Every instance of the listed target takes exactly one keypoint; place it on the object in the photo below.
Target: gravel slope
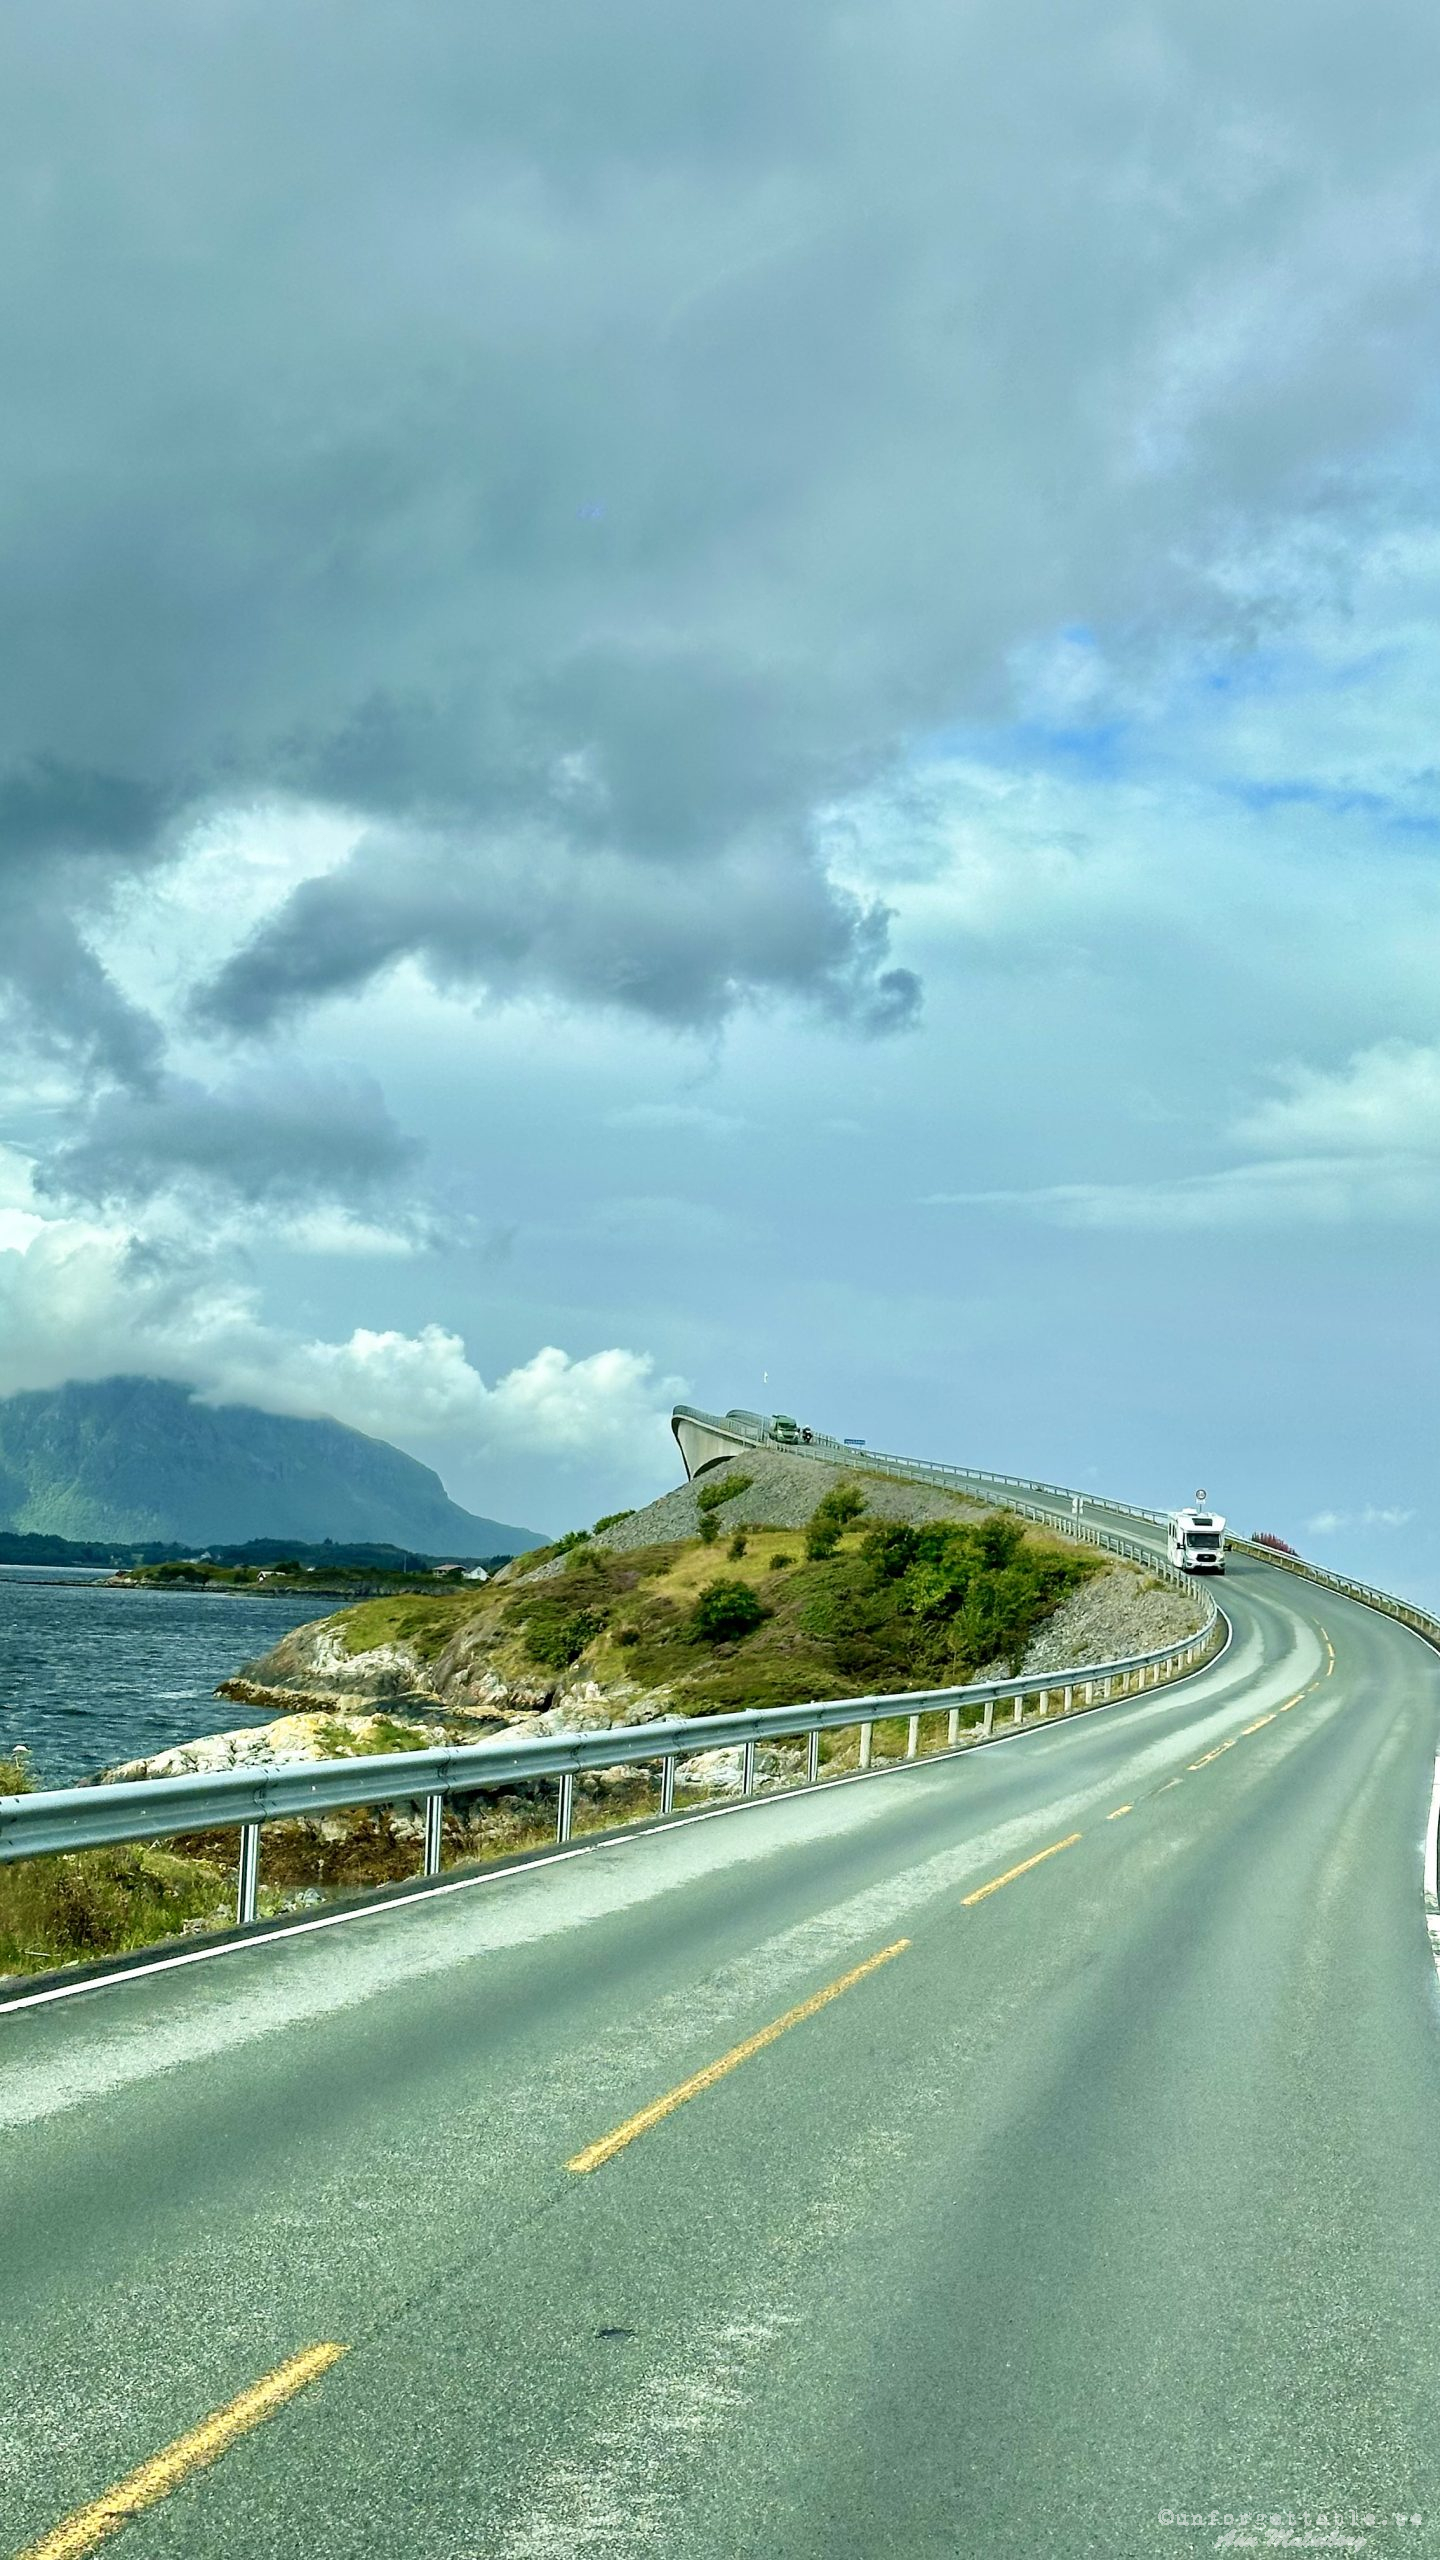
(782, 1493)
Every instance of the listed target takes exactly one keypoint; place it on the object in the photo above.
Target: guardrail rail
(62, 1820)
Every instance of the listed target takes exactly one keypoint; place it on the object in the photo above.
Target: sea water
(91, 1674)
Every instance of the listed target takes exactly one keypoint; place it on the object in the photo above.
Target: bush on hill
(722, 1489)
(830, 1519)
(726, 1610)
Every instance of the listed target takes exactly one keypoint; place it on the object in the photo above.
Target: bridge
(1026, 2149)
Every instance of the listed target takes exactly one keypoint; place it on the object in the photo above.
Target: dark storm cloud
(66, 835)
(290, 1144)
(583, 442)
(681, 942)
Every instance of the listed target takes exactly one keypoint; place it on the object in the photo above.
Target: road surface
(1106, 2203)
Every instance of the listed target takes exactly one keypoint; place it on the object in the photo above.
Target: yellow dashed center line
(605, 2149)
(92, 2525)
(1284, 1710)
(1170, 1782)
(1022, 1870)
(1119, 1809)
(1227, 1745)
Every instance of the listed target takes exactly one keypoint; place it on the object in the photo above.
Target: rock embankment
(1120, 1612)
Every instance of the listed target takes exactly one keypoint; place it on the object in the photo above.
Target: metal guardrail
(1420, 1620)
(71, 1818)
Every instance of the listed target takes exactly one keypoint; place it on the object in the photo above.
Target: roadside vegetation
(868, 1607)
(847, 1605)
(100, 1902)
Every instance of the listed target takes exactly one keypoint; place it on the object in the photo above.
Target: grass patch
(343, 1742)
(423, 1623)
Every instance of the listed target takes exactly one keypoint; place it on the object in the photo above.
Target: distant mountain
(141, 1458)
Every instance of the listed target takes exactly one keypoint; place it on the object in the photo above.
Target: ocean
(90, 1675)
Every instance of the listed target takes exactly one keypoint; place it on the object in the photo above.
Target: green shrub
(558, 1636)
(737, 1545)
(723, 1489)
(709, 1528)
(725, 1611)
(779, 1562)
(831, 1516)
(627, 1635)
(889, 1549)
(15, 1777)
(611, 1520)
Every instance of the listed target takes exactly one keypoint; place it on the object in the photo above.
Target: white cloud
(1298, 1192)
(1362, 1141)
(1374, 1516)
(84, 1300)
(1385, 1101)
(422, 1388)
(693, 1118)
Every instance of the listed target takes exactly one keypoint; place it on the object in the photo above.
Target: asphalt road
(1109, 2200)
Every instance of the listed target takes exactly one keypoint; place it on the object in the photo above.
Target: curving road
(1104, 2208)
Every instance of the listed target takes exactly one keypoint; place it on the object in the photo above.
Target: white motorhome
(1196, 1541)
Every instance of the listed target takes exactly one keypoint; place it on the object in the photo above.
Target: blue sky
(762, 701)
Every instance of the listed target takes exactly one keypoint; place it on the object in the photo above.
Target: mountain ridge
(144, 1459)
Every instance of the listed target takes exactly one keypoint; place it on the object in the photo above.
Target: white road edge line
(1432, 1846)
(557, 1857)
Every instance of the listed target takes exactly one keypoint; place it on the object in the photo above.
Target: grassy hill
(753, 1616)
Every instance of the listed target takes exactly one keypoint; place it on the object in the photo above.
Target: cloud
(691, 1118)
(422, 1388)
(85, 1301)
(68, 836)
(295, 1140)
(1391, 1516)
(678, 941)
(581, 457)
(1366, 1141)
(1302, 1191)
(1383, 1103)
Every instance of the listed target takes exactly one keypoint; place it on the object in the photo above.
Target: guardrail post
(912, 1738)
(867, 1744)
(1089, 1693)
(988, 1726)
(667, 1783)
(747, 1770)
(434, 1807)
(565, 1810)
(812, 1757)
(952, 1730)
(247, 1885)
(1019, 1715)
(1044, 1702)
(1068, 1704)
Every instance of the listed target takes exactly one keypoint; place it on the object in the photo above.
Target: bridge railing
(755, 1433)
(1405, 1610)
